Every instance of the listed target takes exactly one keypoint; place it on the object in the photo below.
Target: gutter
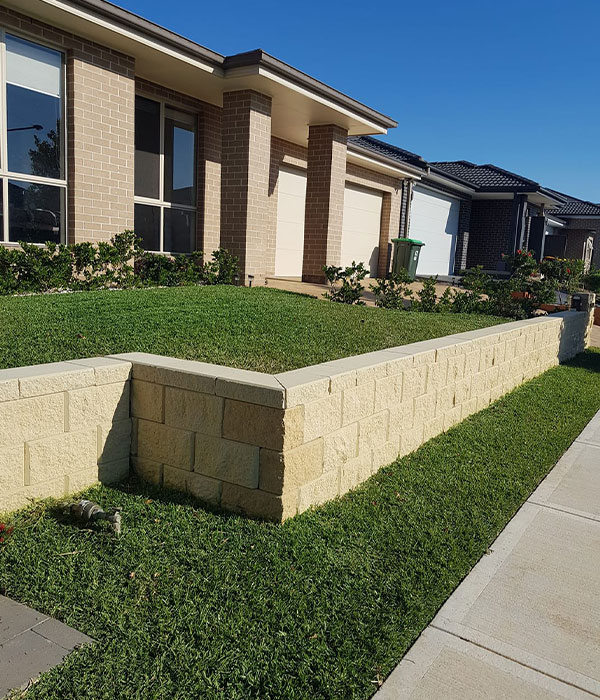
(401, 166)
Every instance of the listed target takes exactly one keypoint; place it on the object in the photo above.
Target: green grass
(188, 603)
(261, 329)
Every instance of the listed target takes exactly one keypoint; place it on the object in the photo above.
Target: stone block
(385, 453)
(425, 408)
(11, 470)
(165, 444)
(114, 441)
(54, 488)
(510, 349)
(414, 382)
(399, 364)
(319, 491)
(322, 417)
(147, 400)
(113, 472)
(201, 487)
(97, 404)
(483, 400)
(445, 400)
(340, 446)
(190, 410)
(227, 460)
(456, 368)
(52, 378)
(373, 431)
(388, 392)
(59, 455)
(437, 375)
(499, 352)
(264, 426)
(290, 470)
(411, 440)
(452, 417)
(134, 436)
(472, 361)
(491, 377)
(402, 417)
(9, 389)
(28, 419)
(462, 391)
(147, 470)
(433, 427)
(358, 402)
(349, 476)
(258, 504)
(486, 358)
(469, 408)
(106, 369)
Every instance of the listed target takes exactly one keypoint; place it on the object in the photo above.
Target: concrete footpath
(31, 643)
(525, 623)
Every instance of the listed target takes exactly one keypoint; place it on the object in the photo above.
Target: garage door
(360, 229)
(434, 220)
(291, 196)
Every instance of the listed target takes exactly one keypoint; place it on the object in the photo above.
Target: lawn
(189, 603)
(261, 329)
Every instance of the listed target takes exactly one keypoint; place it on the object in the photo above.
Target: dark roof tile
(388, 150)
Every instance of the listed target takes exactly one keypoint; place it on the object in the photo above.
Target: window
(165, 177)
(32, 158)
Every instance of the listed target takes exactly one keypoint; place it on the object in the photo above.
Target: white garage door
(291, 196)
(434, 220)
(361, 226)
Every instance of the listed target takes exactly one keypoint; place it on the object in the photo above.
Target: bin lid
(407, 240)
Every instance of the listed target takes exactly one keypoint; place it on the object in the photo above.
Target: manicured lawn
(193, 604)
(261, 329)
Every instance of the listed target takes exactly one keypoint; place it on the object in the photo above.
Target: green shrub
(390, 293)
(591, 281)
(351, 289)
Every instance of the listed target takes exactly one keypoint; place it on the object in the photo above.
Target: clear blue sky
(514, 83)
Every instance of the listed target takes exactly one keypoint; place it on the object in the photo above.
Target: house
(112, 122)
(580, 235)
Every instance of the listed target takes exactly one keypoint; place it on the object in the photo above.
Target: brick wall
(324, 199)
(100, 130)
(63, 427)
(489, 233)
(247, 224)
(577, 231)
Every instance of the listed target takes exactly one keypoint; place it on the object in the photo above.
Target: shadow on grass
(588, 360)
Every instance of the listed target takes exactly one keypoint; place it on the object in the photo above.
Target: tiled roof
(484, 176)
(386, 149)
(577, 207)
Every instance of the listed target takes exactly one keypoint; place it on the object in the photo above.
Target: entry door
(361, 227)
(434, 220)
(291, 198)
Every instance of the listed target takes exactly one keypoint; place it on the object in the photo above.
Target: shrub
(591, 281)
(350, 291)
(390, 293)
(426, 296)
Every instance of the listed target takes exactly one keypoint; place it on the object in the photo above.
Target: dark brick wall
(462, 239)
(489, 232)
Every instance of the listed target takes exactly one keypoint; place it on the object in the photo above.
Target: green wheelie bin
(406, 255)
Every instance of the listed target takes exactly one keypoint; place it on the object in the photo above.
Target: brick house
(580, 237)
(111, 122)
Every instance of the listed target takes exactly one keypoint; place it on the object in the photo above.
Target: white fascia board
(557, 223)
(133, 35)
(374, 164)
(371, 127)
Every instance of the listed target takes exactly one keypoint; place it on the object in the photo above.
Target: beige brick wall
(247, 224)
(63, 427)
(325, 182)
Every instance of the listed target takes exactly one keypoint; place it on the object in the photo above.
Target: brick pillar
(326, 175)
(100, 142)
(391, 207)
(462, 238)
(246, 219)
(209, 180)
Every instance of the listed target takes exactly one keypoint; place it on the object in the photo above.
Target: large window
(32, 158)
(165, 177)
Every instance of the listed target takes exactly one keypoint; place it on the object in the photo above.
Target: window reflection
(34, 212)
(180, 227)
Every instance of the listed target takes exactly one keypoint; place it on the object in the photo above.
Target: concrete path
(31, 643)
(525, 623)
(595, 339)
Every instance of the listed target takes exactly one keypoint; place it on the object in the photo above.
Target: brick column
(391, 207)
(246, 219)
(100, 142)
(326, 175)
(209, 180)
(462, 238)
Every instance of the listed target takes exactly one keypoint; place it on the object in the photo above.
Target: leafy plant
(426, 296)
(390, 293)
(350, 291)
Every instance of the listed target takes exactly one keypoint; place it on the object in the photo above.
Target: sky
(513, 83)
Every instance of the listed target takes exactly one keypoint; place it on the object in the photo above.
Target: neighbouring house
(580, 235)
(112, 122)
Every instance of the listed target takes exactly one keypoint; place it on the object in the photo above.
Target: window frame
(5, 173)
(161, 203)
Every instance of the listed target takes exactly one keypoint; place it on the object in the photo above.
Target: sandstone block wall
(63, 427)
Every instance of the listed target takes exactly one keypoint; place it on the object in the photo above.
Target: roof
(387, 150)
(575, 207)
(486, 177)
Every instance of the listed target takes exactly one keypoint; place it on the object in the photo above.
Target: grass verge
(261, 329)
(193, 604)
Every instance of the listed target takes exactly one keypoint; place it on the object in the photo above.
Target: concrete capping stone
(37, 380)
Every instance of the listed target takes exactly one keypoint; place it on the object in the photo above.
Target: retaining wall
(265, 445)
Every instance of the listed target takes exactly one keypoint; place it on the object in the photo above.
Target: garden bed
(260, 329)
(191, 603)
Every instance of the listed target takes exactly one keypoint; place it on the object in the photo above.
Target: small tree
(350, 291)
